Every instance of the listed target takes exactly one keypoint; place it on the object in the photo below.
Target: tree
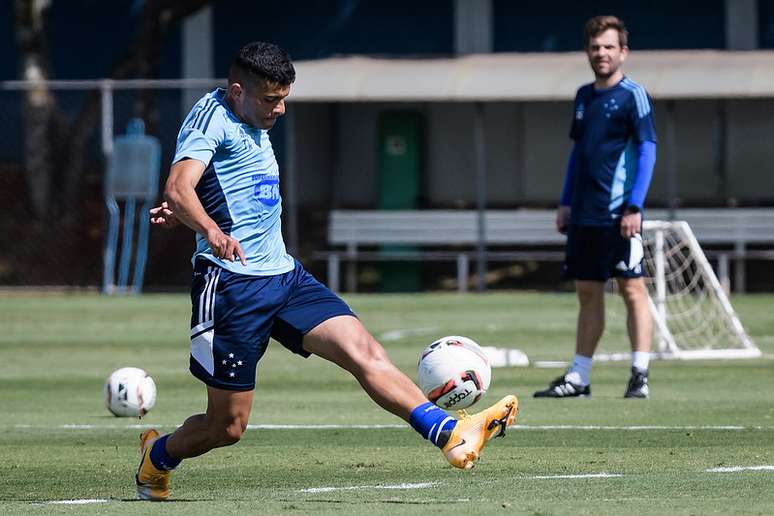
(39, 104)
(49, 164)
(55, 231)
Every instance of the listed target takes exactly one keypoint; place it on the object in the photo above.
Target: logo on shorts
(636, 254)
(231, 365)
(267, 189)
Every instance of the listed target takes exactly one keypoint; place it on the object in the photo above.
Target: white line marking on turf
(637, 427)
(549, 364)
(398, 426)
(736, 469)
(74, 502)
(405, 332)
(587, 475)
(322, 427)
(422, 485)
(250, 427)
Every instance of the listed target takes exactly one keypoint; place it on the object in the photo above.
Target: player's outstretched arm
(180, 193)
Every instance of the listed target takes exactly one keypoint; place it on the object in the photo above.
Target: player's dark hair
(599, 24)
(264, 61)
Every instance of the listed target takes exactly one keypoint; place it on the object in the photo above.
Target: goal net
(693, 318)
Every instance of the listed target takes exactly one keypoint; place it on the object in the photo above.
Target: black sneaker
(638, 384)
(564, 388)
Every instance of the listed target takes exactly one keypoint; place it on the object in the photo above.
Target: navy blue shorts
(233, 316)
(598, 253)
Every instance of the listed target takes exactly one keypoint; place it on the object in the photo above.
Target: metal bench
(451, 235)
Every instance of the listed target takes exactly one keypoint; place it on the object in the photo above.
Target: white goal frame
(667, 343)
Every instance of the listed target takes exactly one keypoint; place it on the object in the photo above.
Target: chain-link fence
(56, 140)
(56, 145)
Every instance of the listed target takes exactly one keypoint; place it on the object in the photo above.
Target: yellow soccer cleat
(152, 483)
(471, 433)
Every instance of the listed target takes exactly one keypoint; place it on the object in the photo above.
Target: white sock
(582, 366)
(640, 360)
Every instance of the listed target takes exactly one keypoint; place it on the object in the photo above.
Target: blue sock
(432, 423)
(159, 456)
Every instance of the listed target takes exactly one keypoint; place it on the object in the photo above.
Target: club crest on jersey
(267, 189)
(579, 112)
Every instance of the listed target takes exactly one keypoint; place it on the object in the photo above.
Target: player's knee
(369, 354)
(226, 433)
(634, 291)
(232, 433)
(589, 295)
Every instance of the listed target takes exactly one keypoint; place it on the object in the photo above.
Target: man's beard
(607, 75)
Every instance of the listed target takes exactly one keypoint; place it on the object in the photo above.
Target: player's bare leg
(344, 341)
(591, 316)
(639, 323)
(575, 383)
(222, 425)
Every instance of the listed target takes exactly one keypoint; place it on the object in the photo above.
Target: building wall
(315, 159)
(750, 149)
(527, 147)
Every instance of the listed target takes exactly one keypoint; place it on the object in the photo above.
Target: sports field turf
(59, 443)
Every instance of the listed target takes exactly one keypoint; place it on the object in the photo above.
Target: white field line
(737, 469)
(402, 333)
(426, 485)
(398, 426)
(322, 427)
(587, 475)
(422, 485)
(638, 427)
(561, 364)
(73, 502)
(550, 364)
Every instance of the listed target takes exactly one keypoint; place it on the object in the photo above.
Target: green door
(400, 182)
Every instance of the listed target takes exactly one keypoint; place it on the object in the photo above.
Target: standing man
(224, 184)
(608, 175)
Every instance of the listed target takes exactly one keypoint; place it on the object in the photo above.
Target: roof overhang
(673, 74)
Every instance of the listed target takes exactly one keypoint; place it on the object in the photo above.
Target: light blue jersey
(240, 186)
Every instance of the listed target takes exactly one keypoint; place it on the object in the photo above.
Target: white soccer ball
(454, 372)
(130, 391)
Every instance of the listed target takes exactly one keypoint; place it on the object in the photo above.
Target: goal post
(693, 317)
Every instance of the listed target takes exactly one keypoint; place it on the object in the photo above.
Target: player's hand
(163, 216)
(562, 219)
(225, 247)
(630, 224)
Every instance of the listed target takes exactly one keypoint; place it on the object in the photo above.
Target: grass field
(59, 443)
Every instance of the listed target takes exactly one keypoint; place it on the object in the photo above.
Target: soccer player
(224, 184)
(609, 171)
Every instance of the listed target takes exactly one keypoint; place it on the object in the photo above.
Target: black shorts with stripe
(598, 253)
